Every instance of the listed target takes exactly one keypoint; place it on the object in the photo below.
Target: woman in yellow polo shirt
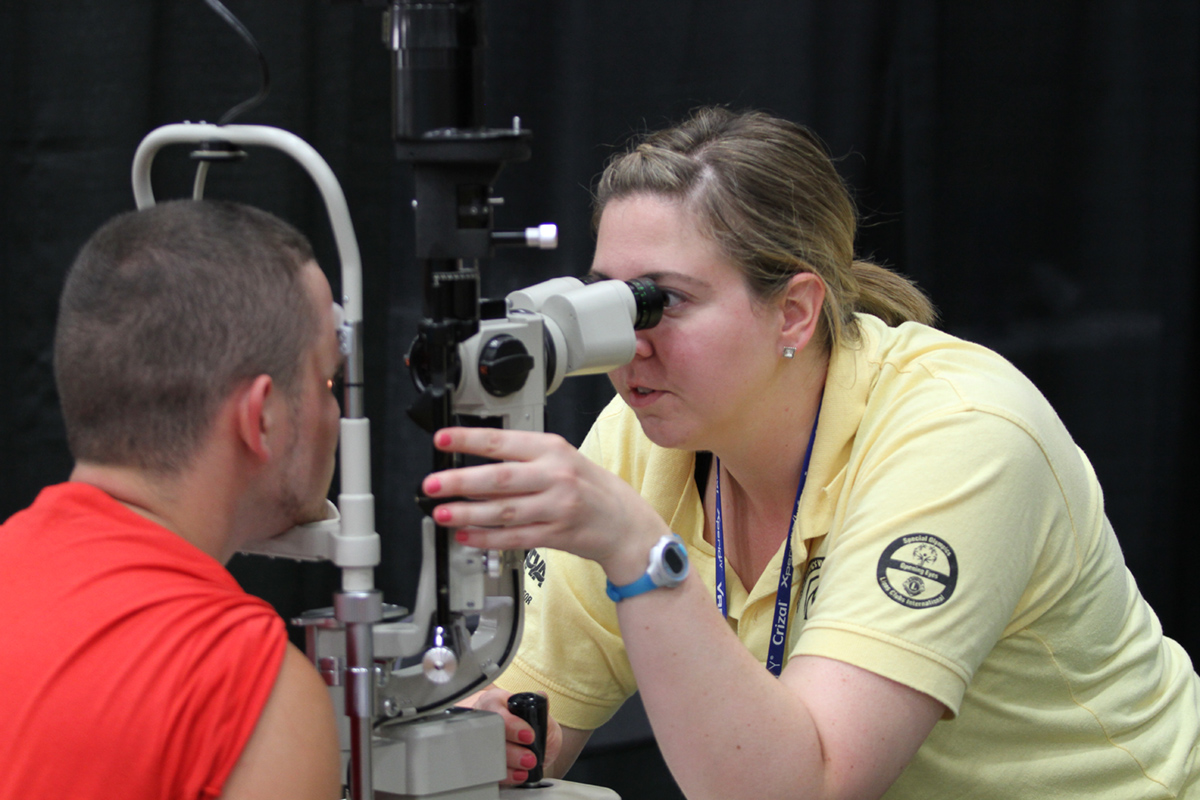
(839, 553)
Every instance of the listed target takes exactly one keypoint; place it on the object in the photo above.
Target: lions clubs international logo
(918, 571)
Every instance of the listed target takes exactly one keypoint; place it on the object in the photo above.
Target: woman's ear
(255, 415)
(801, 305)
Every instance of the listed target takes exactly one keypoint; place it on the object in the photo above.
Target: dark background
(1032, 165)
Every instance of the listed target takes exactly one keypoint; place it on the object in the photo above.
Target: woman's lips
(642, 396)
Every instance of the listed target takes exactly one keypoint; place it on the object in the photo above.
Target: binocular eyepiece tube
(648, 300)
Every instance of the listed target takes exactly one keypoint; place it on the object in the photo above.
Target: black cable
(265, 86)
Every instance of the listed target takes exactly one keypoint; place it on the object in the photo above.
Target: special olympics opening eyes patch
(918, 571)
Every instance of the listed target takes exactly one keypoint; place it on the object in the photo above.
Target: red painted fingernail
(432, 486)
(461, 537)
(519, 776)
(525, 737)
(529, 761)
(442, 439)
(441, 514)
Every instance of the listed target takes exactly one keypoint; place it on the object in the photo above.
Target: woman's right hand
(542, 492)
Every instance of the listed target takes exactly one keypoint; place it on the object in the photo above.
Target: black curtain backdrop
(1033, 165)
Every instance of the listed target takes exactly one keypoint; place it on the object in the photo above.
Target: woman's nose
(643, 348)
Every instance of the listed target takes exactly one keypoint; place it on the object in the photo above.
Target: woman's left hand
(542, 493)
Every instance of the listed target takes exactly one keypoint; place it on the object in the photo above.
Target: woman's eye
(671, 298)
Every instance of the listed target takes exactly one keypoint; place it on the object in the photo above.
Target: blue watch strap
(640, 586)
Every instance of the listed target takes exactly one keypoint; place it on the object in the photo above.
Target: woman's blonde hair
(765, 190)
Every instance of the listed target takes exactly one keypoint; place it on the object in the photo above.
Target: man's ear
(801, 305)
(255, 415)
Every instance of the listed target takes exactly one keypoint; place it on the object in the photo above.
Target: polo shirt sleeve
(953, 531)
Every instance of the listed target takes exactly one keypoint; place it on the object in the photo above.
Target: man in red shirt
(194, 356)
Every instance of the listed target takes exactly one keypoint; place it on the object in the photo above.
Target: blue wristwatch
(668, 567)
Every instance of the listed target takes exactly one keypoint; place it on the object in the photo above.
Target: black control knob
(534, 709)
(504, 365)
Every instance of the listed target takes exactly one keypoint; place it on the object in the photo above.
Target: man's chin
(317, 512)
(299, 512)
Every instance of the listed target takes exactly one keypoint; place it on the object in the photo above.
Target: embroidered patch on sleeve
(918, 570)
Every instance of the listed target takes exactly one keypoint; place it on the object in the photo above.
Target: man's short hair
(164, 312)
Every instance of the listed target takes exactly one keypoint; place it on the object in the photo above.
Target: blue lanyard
(783, 595)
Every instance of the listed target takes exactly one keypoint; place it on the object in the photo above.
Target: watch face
(668, 568)
(673, 559)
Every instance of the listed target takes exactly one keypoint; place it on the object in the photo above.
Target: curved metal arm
(294, 146)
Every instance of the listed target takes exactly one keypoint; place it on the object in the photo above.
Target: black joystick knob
(534, 709)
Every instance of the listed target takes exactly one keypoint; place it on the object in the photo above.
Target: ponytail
(889, 296)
